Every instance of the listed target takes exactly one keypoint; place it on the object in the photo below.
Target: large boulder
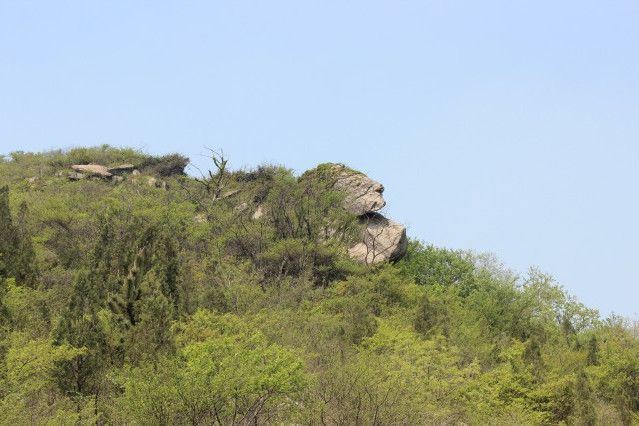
(382, 240)
(363, 194)
(92, 170)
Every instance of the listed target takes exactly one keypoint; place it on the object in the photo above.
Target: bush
(103, 154)
(429, 265)
(167, 165)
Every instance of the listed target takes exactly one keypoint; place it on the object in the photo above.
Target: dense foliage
(131, 302)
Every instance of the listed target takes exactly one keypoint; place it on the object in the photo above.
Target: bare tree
(215, 182)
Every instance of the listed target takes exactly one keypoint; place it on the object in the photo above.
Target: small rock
(135, 172)
(200, 218)
(76, 176)
(117, 179)
(152, 182)
(240, 208)
(230, 193)
(259, 212)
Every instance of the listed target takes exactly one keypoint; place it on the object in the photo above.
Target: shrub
(167, 165)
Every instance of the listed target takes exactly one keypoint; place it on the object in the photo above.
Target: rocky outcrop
(382, 239)
(103, 171)
(92, 170)
(116, 174)
(363, 194)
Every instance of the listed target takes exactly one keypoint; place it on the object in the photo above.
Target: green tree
(227, 374)
(8, 243)
(29, 390)
(618, 380)
(433, 315)
(584, 407)
(429, 265)
(25, 266)
(151, 337)
(17, 256)
(80, 327)
(8, 236)
(593, 351)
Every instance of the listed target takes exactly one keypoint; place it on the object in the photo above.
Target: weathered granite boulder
(363, 194)
(92, 170)
(382, 240)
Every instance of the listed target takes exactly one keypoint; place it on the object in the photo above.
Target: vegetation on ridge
(125, 302)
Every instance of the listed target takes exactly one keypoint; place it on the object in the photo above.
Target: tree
(29, 391)
(7, 235)
(618, 380)
(429, 265)
(432, 316)
(227, 374)
(584, 409)
(80, 327)
(17, 257)
(592, 357)
(25, 266)
(151, 337)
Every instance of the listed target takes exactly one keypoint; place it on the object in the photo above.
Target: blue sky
(509, 127)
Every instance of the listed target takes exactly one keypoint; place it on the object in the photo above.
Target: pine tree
(166, 260)
(593, 351)
(151, 336)
(584, 409)
(25, 266)
(83, 374)
(123, 304)
(17, 257)
(79, 326)
(8, 243)
(156, 255)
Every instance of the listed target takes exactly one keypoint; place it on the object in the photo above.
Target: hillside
(132, 293)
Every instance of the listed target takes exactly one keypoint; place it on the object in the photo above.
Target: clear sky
(503, 126)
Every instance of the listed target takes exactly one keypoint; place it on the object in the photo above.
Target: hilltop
(133, 293)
